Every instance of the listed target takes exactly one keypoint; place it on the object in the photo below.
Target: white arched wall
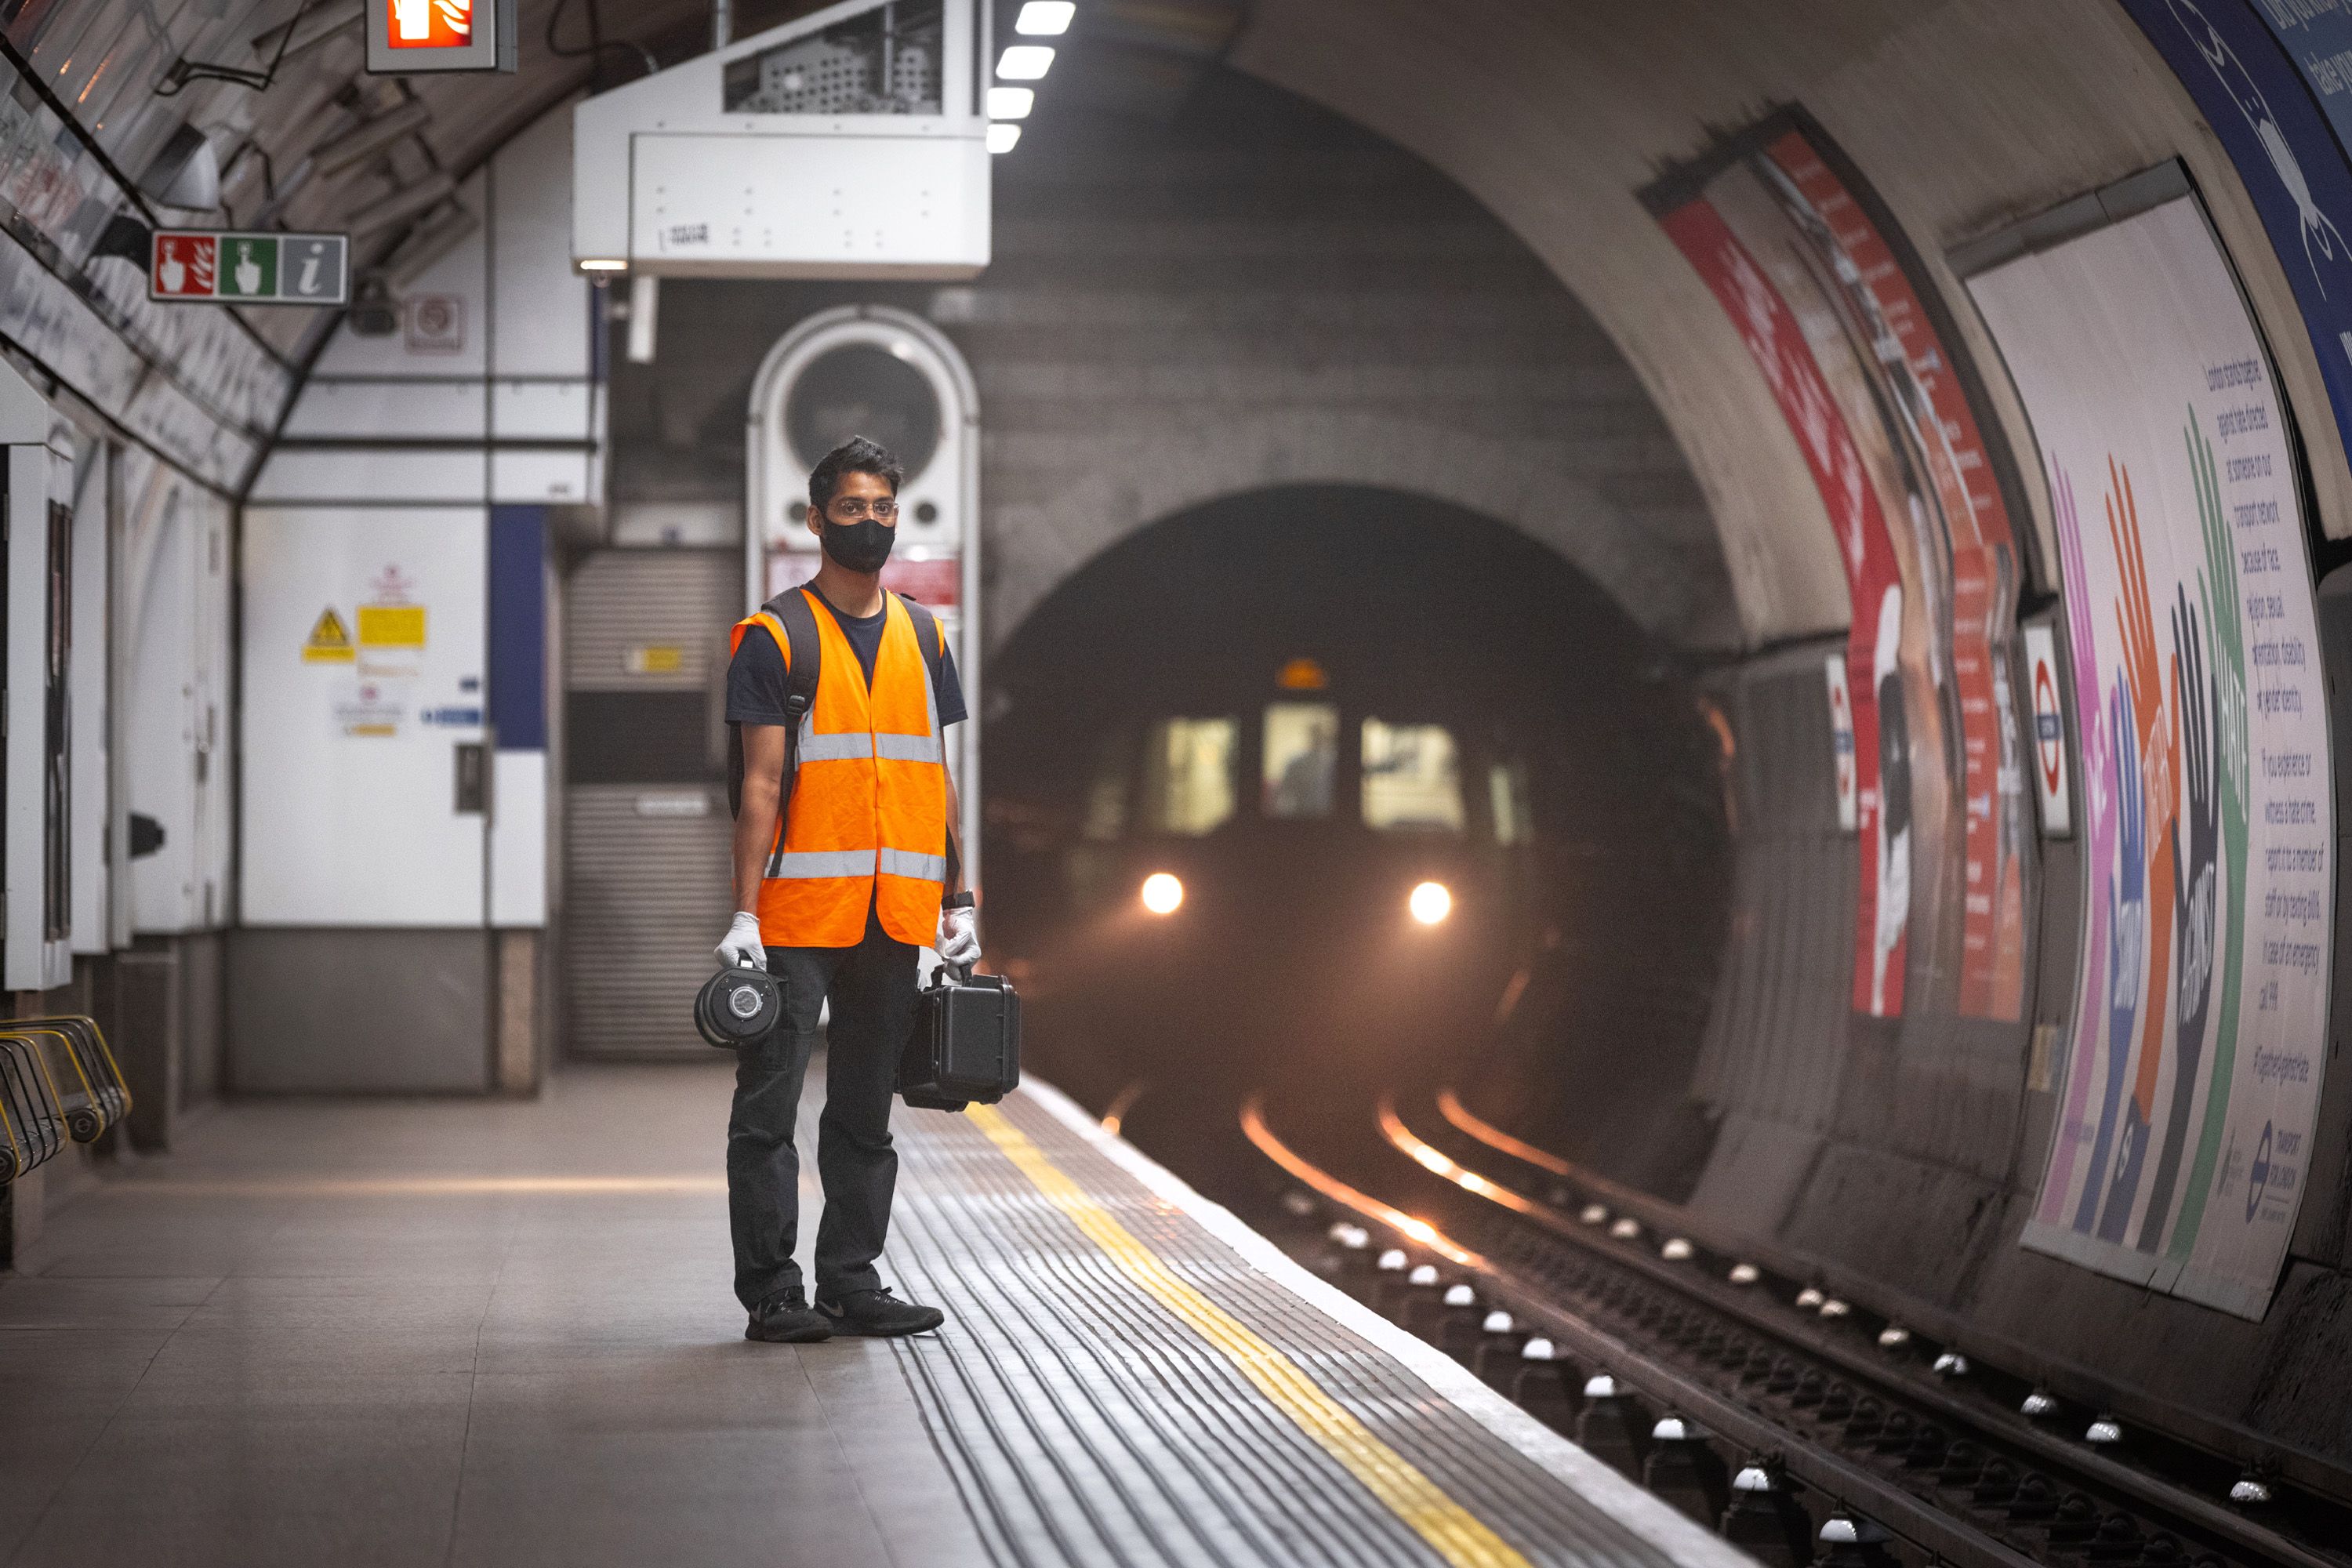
(1138, 478)
(1965, 115)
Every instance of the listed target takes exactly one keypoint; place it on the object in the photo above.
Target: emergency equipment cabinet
(36, 711)
(848, 144)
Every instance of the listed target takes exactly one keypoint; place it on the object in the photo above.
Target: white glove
(958, 939)
(743, 949)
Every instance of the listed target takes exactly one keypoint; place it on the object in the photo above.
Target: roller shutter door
(646, 827)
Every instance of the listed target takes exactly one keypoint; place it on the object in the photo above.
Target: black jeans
(872, 986)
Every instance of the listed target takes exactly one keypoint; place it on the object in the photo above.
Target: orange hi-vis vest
(867, 820)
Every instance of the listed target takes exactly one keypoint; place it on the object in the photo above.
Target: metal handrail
(94, 1097)
(97, 1058)
(28, 1103)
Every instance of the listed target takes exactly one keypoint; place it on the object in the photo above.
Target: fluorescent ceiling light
(1003, 138)
(1046, 18)
(599, 264)
(1010, 103)
(1024, 62)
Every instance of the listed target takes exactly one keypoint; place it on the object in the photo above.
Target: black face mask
(861, 546)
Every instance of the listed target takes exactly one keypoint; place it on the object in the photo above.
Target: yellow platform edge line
(1451, 1530)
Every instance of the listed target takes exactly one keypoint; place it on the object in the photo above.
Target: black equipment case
(966, 1043)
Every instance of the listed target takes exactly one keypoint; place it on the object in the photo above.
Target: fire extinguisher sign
(406, 37)
(214, 268)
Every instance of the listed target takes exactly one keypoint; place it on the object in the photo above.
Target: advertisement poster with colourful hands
(2192, 1071)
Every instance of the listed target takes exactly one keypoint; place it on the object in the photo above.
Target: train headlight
(1430, 903)
(1163, 892)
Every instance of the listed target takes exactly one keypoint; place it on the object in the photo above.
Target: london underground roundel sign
(2049, 731)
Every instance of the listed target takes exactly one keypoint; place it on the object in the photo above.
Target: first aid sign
(408, 36)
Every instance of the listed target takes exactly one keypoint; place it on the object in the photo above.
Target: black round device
(739, 1007)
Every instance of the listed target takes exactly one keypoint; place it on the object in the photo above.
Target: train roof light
(1004, 138)
(1045, 18)
(1024, 62)
(1011, 102)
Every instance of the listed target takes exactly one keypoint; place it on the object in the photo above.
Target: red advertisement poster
(1822, 292)
(1981, 585)
(1781, 351)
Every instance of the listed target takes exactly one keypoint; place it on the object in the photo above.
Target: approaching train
(1334, 824)
(1264, 879)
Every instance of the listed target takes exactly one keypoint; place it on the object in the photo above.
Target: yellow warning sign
(330, 642)
(392, 626)
(654, 658)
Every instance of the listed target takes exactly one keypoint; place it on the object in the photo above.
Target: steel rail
(2046, 1448)
(2159, 1504)
(1953, 1541)
(2068, 1378)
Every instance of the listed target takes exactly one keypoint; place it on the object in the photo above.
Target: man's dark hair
(855, 455)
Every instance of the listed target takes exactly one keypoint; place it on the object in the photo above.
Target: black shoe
(787, 1320)
(878, 1313)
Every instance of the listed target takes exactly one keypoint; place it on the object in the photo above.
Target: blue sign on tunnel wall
(2259, 95)
(2318, 38)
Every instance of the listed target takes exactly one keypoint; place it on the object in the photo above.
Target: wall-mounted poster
(2192, 1075)
(1824, 292)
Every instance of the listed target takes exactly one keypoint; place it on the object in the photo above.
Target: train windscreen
(1411, 778)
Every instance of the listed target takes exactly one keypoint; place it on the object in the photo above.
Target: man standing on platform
(847, 859)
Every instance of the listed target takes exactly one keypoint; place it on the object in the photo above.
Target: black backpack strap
(932, 640)
(805, 658)
(804, 654)
(928, 637)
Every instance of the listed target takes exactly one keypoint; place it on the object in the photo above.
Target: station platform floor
(451, 1331)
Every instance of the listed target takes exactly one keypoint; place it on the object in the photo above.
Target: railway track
(1749, 1392)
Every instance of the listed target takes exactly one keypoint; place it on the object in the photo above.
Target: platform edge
(1680, 1538)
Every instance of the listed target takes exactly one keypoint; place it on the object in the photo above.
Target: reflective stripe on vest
(867, 823)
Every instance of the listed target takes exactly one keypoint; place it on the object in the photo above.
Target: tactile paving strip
(1086, 1422)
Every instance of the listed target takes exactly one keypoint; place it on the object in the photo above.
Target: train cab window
(1302, 754)
(1507, 796)
(1188, 775)
(1411, 778)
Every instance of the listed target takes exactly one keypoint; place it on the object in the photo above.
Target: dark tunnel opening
(1303, 703)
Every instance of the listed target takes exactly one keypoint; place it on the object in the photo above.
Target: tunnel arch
(1150, 482)
(1410, 608)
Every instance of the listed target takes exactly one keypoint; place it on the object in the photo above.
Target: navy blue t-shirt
(757, 682)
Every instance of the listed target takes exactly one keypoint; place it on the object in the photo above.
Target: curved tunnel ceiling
(1966, 115)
